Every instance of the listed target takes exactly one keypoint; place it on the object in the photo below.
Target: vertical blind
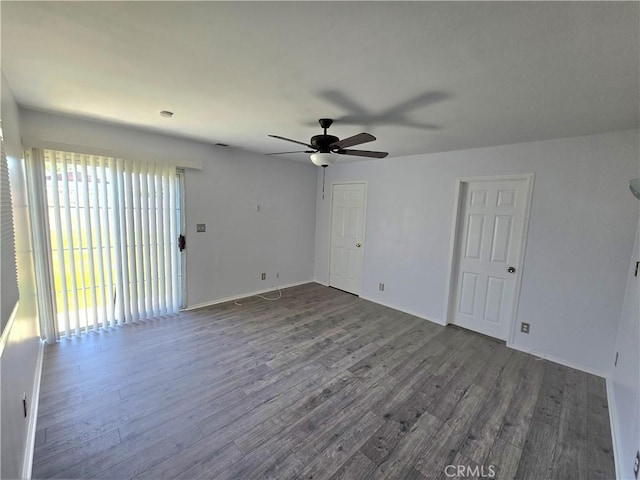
(8, 275)
(113, 239)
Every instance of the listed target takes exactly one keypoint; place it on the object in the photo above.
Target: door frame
(180, 179)
(451, 285)
(364, 225)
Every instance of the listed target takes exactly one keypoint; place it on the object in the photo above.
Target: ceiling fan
(324, 148)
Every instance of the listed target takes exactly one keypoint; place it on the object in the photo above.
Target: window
(112, 239)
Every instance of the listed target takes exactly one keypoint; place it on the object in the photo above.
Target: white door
(347, 236)
(490, 238)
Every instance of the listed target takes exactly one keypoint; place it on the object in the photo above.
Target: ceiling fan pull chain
(324, 173)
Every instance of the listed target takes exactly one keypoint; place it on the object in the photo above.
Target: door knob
(358, 245)
(511, 269)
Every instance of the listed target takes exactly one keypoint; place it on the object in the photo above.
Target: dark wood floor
(319, 384)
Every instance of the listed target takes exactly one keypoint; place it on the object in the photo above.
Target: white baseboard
(244, 295)
(613, 421)
(33, 416)
(324, 284)
(562, 361)
(400, 309)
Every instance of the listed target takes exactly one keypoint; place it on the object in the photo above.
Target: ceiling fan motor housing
(323, 142)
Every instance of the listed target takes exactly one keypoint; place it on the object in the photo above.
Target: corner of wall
(33, 416)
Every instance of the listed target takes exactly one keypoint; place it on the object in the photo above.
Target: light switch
(201, 227)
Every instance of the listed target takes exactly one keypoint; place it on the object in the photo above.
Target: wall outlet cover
(201, 227)
(524, 327)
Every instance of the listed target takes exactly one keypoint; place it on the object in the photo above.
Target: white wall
(61, 132)
(19, 359)
(625, 377)
(580, 236)
(240, 242)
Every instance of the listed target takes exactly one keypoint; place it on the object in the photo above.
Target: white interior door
(347, 236)
(490, 239)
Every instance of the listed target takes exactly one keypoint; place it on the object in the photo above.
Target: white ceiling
(421, 76)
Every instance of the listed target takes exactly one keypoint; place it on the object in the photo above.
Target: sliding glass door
(113, 229)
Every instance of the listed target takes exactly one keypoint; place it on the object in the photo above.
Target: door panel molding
(364, 183)
(456, 243)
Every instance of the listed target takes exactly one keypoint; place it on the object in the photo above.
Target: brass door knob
(358, 245)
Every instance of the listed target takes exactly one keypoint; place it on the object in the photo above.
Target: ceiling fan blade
(363, 153)
(296, 151)
(289, 140)
(355, 140)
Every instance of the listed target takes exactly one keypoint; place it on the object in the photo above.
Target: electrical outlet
(201, 227)
(24, 404)
(381, 287)
(524, 327)
(264, 276)
(636, 464)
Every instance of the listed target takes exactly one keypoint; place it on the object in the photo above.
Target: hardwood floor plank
(501, 357)
(486, 425)
(358, 467)
(381, 444)
(169, 446)
(328, 460)
(504, 458)
(186, 412)
(213, 464)
(274, 462)
(404, 457)
(212, 452)
(244, 412)
(438, 347)
(549, 405)
(409, 410)
(570, 459)
(129, 448)
(536, 461)
(48, 466)
(311, 400)
(413, 382)
(600, 463)
(446, 401)
(445, 444)
(517, 420)
(317, 384)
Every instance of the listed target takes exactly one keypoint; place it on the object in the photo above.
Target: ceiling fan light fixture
(322, 159)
